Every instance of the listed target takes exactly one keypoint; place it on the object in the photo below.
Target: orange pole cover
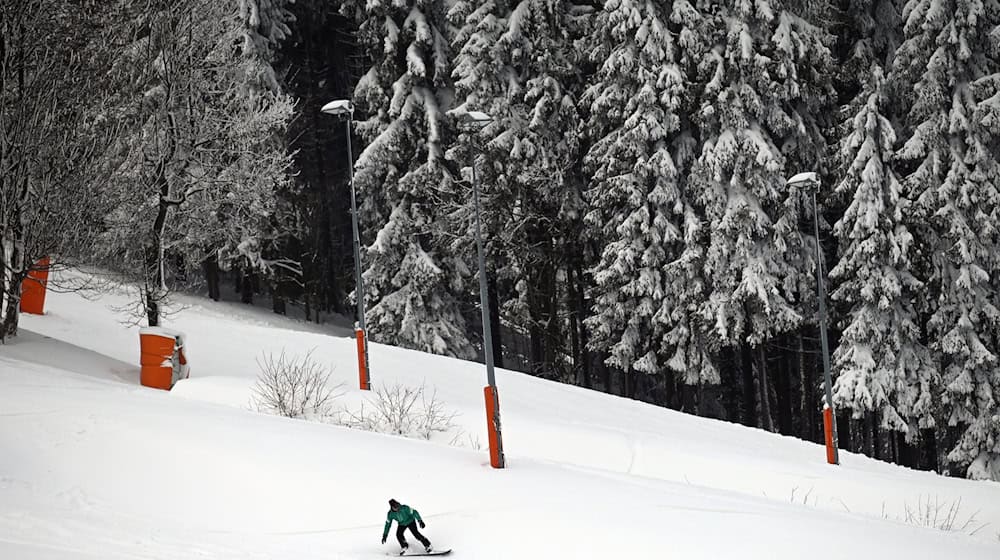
(359, 336)
(33, 288)
(828, 431)
(491, 427)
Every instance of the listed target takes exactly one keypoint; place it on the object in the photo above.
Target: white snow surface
(94, 466)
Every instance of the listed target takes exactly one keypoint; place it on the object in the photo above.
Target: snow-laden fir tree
(871, 32)
(756, 112)
(646, 280)
(265, 26)
(766, 86)
(413, 282)
(514, 62)
(881, 364)
(956, 185)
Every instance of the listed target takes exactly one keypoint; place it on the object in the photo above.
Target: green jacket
(404, 516)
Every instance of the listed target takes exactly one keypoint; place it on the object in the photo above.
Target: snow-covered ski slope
(93, 466)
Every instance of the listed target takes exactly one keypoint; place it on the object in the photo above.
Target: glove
(383, 540)
(422, 524)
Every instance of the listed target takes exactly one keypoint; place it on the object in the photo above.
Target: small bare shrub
(472, 442)
(296, 387)
(942, 515)
(401, 410)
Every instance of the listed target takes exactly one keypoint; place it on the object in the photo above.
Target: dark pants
(413, 529)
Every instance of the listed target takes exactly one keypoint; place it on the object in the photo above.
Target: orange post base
(33, 288)
(359, 336)
(155, 359)
(831, 456)
(493, 426)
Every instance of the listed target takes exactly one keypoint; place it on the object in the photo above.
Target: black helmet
(393, 504)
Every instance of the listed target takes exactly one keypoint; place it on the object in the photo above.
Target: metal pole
(822, 333)
(484, 301)
(492, 397)
(359, 282)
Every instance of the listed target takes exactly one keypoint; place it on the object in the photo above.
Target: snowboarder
(407, 518)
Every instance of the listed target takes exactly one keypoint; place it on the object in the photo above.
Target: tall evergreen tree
(955, 184)
(515, 62)
(869, 33)
(881, 364)
(412, 279)
(766, 83)
(646, 278)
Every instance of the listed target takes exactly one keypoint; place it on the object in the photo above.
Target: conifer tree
(766, 88)
(951, 149)
(413, 282)
(881, 364)
(514, 62)
(641, 151)
(764, 91)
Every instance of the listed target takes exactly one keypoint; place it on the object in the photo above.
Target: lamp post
(811, 179)
(477, 120)
(343, 107)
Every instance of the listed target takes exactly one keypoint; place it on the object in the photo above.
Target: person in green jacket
(407, 518)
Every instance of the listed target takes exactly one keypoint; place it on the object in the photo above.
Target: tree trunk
(869, 441)
(246, 286)
(13, 271)
(928, 450)
(155, 277)
(669, 388)
(783, 393)
(690, 400)
(581, 313)
(153, 292)
(8, 327)
(574, 336)
(606, 375)
(808, 406)
(767, 422)
(212, 276)
(278, 300)
(749, 389)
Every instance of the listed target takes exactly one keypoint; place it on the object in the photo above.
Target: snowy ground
(94, 466)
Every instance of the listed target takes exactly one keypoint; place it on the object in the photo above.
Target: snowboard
(416, 553)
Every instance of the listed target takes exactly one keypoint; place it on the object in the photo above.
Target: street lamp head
(810, 178)
(338, 107)
(475, 118)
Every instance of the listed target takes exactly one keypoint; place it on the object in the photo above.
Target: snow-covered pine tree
(766, 86)
(514, 62)
(265, 26)
(881, 364)
(646, 278)
(951, 148)
(413, 282)
(870, 32)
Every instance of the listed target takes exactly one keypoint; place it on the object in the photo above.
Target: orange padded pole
(831, 457)
(359, 336)
(493, 426)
